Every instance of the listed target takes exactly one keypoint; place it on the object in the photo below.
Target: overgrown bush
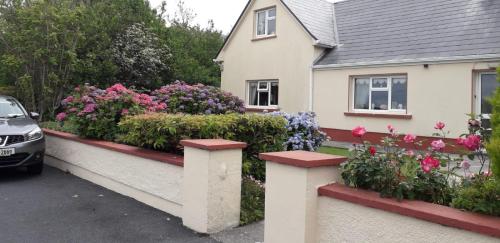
(252, 201)
(481, 195)
(303, 131)
(96, 112)
(198, 99)
(163, 131)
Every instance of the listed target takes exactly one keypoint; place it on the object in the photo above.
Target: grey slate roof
(386, 30)
(317, 18)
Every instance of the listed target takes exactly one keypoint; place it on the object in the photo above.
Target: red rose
(372, 150)
(358, 131)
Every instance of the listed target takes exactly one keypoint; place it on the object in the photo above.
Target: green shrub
(60, 126)
(163, 132)
(494, 144)
(481, 195)
(252, 201)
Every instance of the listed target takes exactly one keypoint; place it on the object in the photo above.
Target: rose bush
(394, 171)
(197, 99)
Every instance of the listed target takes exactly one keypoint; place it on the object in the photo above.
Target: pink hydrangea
(409, 138)
(61, 116)
(438, 145)
(358, 131)
(89, 108)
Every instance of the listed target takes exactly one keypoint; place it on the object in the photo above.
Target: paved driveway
(59, 207)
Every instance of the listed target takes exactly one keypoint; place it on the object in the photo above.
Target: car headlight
(34, 134)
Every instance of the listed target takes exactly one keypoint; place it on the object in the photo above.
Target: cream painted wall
(288, 57)
(341, 221)
(442, 92)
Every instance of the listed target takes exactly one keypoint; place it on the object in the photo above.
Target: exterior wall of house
(441, 92)
(287, 57)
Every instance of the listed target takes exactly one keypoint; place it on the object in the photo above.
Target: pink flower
(125, 112)
(358, 131)
(472, 142)
(89, 108)
(74, 109)
(117, 88)
(439, 126)
(438, 145)
(390, 128)
(61, 116)
(465, 164)
(410, 153)
(372, 150)
(409, 138)
(429, 162)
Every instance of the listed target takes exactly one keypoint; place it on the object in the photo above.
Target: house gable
(249, 12)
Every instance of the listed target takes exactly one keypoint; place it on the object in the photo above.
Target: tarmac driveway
(59, 207)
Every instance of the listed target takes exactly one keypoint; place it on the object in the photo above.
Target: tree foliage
(494, 144)
(49, 46)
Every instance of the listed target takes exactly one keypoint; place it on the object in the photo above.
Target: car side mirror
(34, 115)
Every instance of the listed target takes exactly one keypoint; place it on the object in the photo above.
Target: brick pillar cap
(303, 159)
(213, 144)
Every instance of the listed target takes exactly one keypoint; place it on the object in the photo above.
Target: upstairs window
(380, 93)
(263, 93)
(266, 22)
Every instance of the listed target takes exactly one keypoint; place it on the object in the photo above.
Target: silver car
(22, 142)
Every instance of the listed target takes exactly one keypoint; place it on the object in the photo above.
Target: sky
(224, 13)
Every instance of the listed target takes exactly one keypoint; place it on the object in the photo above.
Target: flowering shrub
(197, 99)
(402, 173)
(96, 112)
(303, 131)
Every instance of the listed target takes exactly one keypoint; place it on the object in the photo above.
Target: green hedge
(161, 131)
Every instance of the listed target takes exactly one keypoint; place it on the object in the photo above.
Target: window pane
(361, 93)
(379, 100)
(488, 87)
(261, 23)
(252, 93)
(274, 93)
(398, 99)
(263, 85)
(263, 98)
(272, 12)
(271, 27)
(379, 83)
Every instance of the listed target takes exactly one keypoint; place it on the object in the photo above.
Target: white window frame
(269, 84)
(266, 22)
(389, 94)
(478, 97)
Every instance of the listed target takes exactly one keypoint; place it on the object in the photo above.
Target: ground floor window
(380, 93)
(263, 93)
(486, 84)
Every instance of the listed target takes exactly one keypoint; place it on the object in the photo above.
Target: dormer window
(266, 22)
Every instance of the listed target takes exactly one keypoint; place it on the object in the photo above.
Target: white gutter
(399, 62)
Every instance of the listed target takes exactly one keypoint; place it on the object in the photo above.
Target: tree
(141, 56)
(494, 143)
(39, 42)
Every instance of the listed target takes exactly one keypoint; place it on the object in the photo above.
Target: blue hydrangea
(303, 131)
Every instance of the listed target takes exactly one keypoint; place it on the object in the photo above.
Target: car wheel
(35, 169)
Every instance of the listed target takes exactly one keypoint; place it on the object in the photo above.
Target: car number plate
(7, 152)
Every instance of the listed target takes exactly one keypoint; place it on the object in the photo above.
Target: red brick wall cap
(435, 213)
(213, 144)
(303, 159)
(122, 148)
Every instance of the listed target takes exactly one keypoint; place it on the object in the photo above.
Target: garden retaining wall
(188, 187)
(304, 204)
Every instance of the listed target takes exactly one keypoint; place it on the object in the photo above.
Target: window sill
(264, 38)
(261, 109)
(379, 115)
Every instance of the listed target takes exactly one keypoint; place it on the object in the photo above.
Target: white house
(366, 62)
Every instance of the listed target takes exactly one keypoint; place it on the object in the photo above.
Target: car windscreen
(9, 108)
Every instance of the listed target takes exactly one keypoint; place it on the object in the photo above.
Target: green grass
(334, 151)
